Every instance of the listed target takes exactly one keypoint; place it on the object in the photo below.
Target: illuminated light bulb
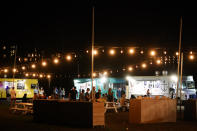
(144, 65)
(23, 67)
(44, 63)
(105, 73)
(121, 51)
(152, 53)
(33, 66)
(5, 70)
(191, 57)
(95, 52)
(191, 52)
(94, 74)
(177, 53)
(25, 59)
(41, 75)
(112, 52)
(14, 70)
(56, 61)
(141, 52)
(68, 57)
(130, 68)
(26, 74)
(165, 52)
(34, 75)
(131, 51)
(48, 76)
(87, 51)
(158, 62)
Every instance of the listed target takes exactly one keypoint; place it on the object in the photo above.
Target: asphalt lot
(114, 122)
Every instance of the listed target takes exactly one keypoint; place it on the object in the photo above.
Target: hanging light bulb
(48, 76)
(44, 63)
(144, 65)
(33, 66)
(158, 62)
(56, 60)
(131, 51)
(23, 67)
(130, 68)
(112, 52)
(152, 53)
(191, 57)
(5, 70)
(68, 57)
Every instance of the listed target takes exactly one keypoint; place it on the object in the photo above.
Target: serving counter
(152, 110)
(86, 114)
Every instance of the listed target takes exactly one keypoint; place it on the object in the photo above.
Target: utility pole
(92, 51)
(13, 77)
(179, 54)
(181, 81)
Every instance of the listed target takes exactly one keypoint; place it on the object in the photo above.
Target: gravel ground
(114, 122)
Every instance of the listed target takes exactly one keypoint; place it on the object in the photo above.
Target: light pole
(179, 55)
(92, 71)
(14, 66)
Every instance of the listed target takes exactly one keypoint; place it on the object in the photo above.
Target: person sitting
(24, 99)
(123, 102)
(133, 97)
(100, 99)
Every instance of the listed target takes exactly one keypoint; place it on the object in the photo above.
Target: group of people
(91, 95)
(39, 93)
(11, 95)
(59, 93)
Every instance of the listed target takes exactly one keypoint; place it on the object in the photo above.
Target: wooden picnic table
(110, 105)
(23, 107)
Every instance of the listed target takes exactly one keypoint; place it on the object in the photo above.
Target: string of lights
(156, 56)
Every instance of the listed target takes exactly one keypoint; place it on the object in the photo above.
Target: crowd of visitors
(73, 95)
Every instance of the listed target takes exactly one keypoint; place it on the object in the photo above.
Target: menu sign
(20, 85)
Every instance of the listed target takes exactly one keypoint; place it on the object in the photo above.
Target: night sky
(117, 23)
(55, 26)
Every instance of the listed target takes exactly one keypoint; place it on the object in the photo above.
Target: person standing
(98, 94)
(41, 93)
(13, 96)
(82, 95)
(60, 93)
(8, 94)
(73, 94)
(148, 93)
(63, 93)
(87, 94)
(56, 93)
(110, 97)
(93, 93)
(36, 93)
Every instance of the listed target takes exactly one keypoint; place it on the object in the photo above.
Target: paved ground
(114, 122)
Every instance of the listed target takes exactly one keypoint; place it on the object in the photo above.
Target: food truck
(22, 86)
(138, 85)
